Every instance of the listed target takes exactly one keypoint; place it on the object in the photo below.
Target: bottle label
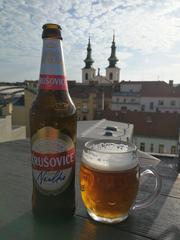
(52, 82)
(52, 73)
(53, 160)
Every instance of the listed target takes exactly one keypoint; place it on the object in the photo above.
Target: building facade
(8, 131)
(90, 100)
(154, 132)
(153, 96)
(157, 146)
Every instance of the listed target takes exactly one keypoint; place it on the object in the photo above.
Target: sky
(147, 35)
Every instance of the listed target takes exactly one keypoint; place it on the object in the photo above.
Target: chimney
(171, 83)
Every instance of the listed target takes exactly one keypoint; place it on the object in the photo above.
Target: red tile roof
(163, 125)
(156, 88)
(82, 90)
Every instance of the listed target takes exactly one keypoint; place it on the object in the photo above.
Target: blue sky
(147, 36)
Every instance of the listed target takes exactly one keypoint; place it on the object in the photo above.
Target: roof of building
(4, 90)
(103, 129)
(156, 88)
(159, 89)
(148, 88)
(156, 124)
(80, 90)
(84, 125)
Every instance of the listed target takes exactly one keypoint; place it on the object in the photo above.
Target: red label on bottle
(53, 161)
(53, 82)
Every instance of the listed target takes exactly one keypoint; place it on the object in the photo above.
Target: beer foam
(109, 156)
(110, 147)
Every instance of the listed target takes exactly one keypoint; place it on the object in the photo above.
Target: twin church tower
(112, 71)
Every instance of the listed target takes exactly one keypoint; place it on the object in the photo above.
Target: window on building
(161, 148)
(84, 118)
(117, 99)
(78, 106)
(151, 106)
(173, 150)
(142, 146)
(124, 109)
(143, 108)
(79, 118)
(161, 103)
(152, 147)
(84, 107)
(124, 100)
(86, 76)
(111, 76)
(173, 103)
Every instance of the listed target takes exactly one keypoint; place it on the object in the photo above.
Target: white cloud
(140, 26)
(166, 72)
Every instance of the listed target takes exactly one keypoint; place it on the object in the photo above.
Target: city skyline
(146, 33)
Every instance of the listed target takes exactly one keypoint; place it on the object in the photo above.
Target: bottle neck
(52, 71)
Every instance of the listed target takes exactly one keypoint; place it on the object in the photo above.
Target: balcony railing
(126, 103)
(126, 94)
(168, 107)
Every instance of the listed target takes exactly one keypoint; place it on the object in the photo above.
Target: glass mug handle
(139, 204)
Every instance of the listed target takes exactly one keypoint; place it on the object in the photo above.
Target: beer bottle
(53, 133)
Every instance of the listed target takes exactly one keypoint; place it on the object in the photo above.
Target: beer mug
(109, 180)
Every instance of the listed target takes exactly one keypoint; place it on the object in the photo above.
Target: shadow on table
(77, 228)
(27, 228)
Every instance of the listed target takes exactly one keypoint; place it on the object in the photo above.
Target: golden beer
(109, 179)
(109, 194)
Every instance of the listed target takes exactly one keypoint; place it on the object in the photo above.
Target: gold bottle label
(53, 159)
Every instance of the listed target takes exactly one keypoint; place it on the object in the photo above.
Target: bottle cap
(51, 30)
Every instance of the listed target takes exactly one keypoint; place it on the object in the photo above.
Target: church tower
(88, 72)
(113, 72)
